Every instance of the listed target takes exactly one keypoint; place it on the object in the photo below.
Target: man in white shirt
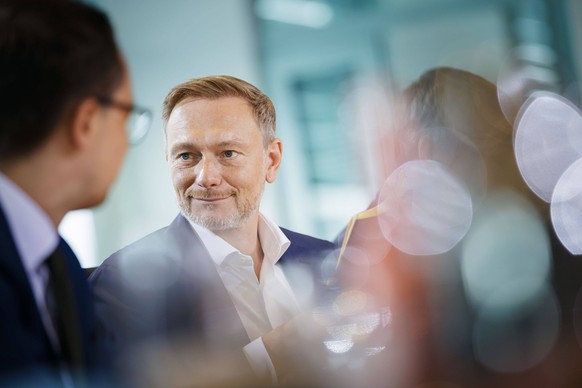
(64, 93)
(217, 269)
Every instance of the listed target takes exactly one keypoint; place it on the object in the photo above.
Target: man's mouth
(213, 199)
(210, 197)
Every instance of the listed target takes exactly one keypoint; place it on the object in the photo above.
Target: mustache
(209, 194)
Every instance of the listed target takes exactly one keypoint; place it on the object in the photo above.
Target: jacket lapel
(222, 326)
(14, 272)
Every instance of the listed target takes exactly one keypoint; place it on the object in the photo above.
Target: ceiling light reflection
(299, 12)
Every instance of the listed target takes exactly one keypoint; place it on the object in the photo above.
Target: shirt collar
(273, 241)
(33, 232)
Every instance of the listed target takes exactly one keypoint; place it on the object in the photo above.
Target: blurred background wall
(305, 55)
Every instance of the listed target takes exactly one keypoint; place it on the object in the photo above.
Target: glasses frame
(135, 137)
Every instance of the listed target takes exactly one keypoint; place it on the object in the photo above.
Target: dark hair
(53, 54)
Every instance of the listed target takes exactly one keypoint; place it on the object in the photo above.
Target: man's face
(110, 143)
(218, 162)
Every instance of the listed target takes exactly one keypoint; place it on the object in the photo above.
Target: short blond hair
(213, 87)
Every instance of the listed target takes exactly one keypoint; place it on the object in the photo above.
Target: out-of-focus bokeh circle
(459, 155)
(355, 268)
(425, 209)
(516, 341)
(547, 140)
(566, 208)
(506, 256)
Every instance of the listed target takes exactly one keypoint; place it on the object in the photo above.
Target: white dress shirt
(262, 304)
(35, 238)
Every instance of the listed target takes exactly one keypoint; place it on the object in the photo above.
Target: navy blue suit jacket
(26, 354)
(166, 285)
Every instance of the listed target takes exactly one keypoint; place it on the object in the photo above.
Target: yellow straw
(373, 212)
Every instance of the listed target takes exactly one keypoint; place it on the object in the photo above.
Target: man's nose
(208, 173)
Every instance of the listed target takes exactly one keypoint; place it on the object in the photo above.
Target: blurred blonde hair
(467, 105)
(462, 102)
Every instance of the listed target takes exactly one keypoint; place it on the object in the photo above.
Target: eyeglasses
(139, 120)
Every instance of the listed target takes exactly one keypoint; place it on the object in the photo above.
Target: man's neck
(41, 183)
(246, 240)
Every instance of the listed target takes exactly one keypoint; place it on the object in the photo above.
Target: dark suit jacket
(25, 351)
(166, 286)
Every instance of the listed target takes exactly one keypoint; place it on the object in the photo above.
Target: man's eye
(229, 154)
(184, 156)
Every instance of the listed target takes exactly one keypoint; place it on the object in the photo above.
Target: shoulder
(166, 241)
(306, 247)
(306, 240)
(158, 252)
(151, 244)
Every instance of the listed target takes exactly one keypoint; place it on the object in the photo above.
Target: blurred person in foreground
(459, 251)
(65, 97)
(213, 285)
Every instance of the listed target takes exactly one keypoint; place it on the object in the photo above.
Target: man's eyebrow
(181, 146)
(187, 145)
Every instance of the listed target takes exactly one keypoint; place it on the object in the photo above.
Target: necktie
(63, 311)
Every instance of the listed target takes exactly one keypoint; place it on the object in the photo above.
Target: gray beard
(244, 212)
(217, 224)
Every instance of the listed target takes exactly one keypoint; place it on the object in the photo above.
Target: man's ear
(273, 159)
(83, 122)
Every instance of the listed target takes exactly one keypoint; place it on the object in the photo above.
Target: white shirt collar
(273, 241)
(33, 232)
